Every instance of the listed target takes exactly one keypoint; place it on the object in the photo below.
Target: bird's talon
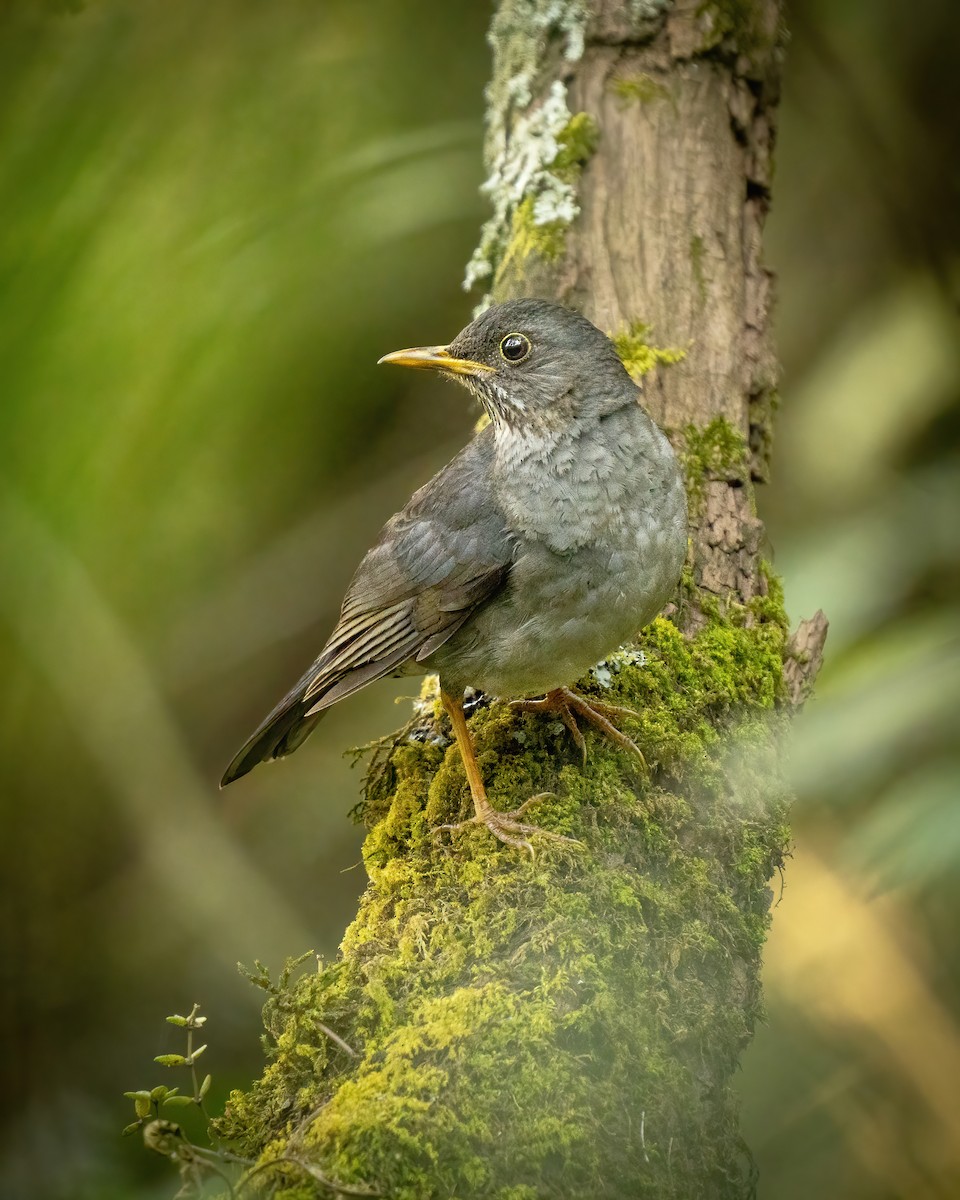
(506, 827)
(612, 710)
(568, 705)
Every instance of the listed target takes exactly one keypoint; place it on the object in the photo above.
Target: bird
(551, 539)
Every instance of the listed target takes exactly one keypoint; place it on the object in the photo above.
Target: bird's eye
(515, 347)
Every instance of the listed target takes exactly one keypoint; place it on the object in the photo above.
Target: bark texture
(569, 1027)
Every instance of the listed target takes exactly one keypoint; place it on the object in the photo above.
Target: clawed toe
(507, 828)
(610, 710)
(564, 703)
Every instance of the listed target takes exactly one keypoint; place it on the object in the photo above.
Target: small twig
(340, 1189)
(225, 1155)
(224, 1176)
(335, 1037)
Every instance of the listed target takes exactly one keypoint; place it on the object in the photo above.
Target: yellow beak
(436, 358)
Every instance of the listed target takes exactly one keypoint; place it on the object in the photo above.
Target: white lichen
(519, 35)
(520, 168)
(522, 129)
(605, 670)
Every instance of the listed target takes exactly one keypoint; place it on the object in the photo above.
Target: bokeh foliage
(215, 218)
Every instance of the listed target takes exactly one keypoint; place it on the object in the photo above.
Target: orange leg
(503, 825)
(568, 705)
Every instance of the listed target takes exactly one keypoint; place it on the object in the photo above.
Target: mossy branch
(569, 1026)
(518, 1020)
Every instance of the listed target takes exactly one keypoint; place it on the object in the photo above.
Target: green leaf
(205, 1086)
(176, 1019)
(170, 1060)
(142, 1094)
(178, 1101)
(131, 1128)
(195, 1055)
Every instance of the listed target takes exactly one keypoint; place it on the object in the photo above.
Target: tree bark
(568, 1027)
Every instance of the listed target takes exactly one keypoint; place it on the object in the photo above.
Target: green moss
(716, 449)
(577, 141)
(713, 451)
(548, 241)
(741, 25)
(640, 89)
(638, 355)
(513, 1018)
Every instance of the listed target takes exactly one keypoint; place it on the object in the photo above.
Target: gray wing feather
(435, 562)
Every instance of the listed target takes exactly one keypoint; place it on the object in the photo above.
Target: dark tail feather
(280, 734)
(294, 718)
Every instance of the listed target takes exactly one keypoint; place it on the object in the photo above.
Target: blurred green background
(213, 219)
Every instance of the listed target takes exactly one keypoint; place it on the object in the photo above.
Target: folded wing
(433, 565)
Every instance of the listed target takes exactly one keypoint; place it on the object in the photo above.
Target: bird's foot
(507, 826)
(568, 705)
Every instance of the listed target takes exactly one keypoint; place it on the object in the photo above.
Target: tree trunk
(569, 1027)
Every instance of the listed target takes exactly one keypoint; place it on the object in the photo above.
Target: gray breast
(599, 518)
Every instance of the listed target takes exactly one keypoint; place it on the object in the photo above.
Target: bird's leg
(503, 825)
(568, 705)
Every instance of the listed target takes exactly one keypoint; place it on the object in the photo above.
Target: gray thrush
(547, 542)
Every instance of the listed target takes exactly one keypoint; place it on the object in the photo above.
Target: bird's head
(531, 362)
